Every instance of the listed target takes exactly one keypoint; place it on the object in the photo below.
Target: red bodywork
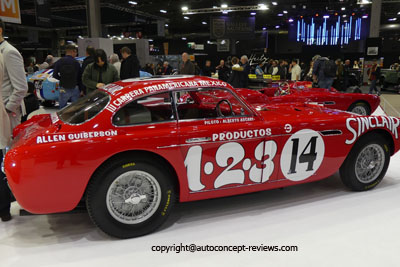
(303, 92)
(50, 162)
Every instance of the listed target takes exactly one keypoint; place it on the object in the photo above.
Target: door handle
(198, 139)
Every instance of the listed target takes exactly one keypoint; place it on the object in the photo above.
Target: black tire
(359, 106)
(103, 214)
(348, 170)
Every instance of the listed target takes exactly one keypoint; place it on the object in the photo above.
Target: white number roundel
(302, 155)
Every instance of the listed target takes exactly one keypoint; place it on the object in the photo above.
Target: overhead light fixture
(132, 2)
(183, 38)
(166, 25)
(284, 12)
(224, 6)
(280, 15)
(343, 8)
(290, 20)
(262, 7)
(392, 19)
(225, 12)
(163, 11)
(264, 28)
(186, 17)
(365, 16)
(398, 13)
(185, 8)
(344, 16)
(304, 6)
(274, 3)
(326, 16)
(150, 40)
(277, 27)
(208, 42)
(364, 2)
(204, 23)
(293, 6)
(253, 13)
(215, 7)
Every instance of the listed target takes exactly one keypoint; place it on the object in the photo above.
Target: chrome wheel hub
(370, 163)
(133, 197)
(359, 110)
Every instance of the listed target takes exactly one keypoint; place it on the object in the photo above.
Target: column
(375, 18)
(93, 18)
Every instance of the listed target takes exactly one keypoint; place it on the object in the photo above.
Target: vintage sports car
(135, 147)
(363, 104)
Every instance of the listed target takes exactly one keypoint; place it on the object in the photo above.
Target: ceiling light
(344, 16)
(186, 17)
(183, 38)
(274, 3)
(398, 13)
(304, 6)
(215, 7)
(150, 40)
(264, 28)
(225, 12)
(277, 26)
(132, 2)
(290, 20)
(204, 23)
(326, 16)
(262, 7)
(392, 19)
(293, 6)
(224, 5)
(280, 15)
(185, 8)
(343, 8)
(365, 16)
(253, 13)
(166, 25)
(208, 42)
(284, 12)
(163, 11)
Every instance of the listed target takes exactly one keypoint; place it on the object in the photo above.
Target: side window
(150, 109)
(209, 103)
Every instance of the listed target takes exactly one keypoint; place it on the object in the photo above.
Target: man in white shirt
(295, 70)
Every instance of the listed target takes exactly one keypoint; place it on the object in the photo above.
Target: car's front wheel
(129, 198)
(366, 164)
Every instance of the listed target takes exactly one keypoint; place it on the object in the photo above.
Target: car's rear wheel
(360, 108)
(366, 164)
(129, 198)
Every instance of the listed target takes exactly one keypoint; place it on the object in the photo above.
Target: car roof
(156, 84)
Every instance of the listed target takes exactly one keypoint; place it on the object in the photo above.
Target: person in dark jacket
(373, 76)
(234, 77)
(68, 71)
(186, 66)
(90, 51)
(130, 65)
(244, 75)
(166, 69)
(99, 73)
(208, 70)
(223, 71)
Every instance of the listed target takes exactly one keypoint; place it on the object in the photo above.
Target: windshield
(85, 108)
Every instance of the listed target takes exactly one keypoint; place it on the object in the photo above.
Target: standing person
(68, 71)
(5, 138)
(282, 70)
(373, 75)
(223, 71)
(259, 70)
(309, 72)
(346, 74)
(114, 60)
(234, 77)
(89, 57)
(13, 90)
(324, 71)
(167, 69)
(244, 75)
(48, 63)
(295, 71)
(130, 65)
(208, 70)
(186, 66)
(99, 73)
(339, 75)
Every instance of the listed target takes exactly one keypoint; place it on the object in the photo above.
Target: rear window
(85, 108)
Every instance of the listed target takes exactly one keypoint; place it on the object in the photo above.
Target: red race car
(363, 104)
(133, 148)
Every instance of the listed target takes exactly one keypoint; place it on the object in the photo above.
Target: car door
(226, 147)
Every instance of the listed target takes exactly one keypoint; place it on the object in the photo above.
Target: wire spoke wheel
(133, 197)
(369, 163)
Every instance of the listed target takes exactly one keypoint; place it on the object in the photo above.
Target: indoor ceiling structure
(70, 14)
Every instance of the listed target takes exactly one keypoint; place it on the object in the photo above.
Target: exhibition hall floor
(330, 225)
